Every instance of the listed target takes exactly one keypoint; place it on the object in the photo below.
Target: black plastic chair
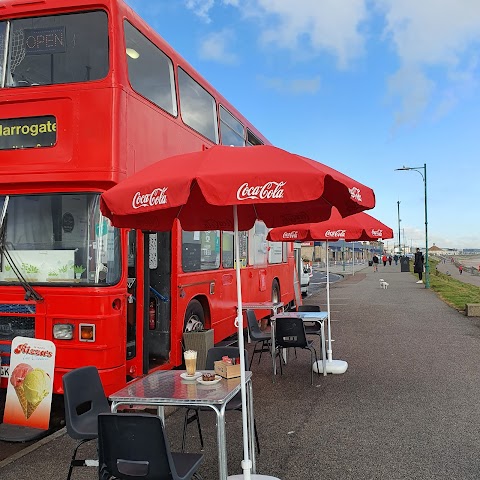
(290, 333)
(193, 413)
(84, 400)
(259, 337)
(134, 446)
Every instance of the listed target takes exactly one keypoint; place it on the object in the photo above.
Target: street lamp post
(399, 242)
(424, 177)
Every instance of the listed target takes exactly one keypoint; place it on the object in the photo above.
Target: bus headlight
(63, 331)
(87, 332)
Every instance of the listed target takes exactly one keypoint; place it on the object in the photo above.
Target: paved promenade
(406, 408)
(450, 268)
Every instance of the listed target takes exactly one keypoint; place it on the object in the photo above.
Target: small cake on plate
(208, 377)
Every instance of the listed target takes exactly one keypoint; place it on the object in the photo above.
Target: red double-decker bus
(89, 94)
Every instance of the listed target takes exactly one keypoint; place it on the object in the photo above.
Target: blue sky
(364, 86)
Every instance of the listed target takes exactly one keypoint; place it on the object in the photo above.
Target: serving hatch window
(55, 49)
(200, 250)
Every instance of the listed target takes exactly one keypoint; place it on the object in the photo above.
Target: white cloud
(327, 25)
(414, 89)
(215, 47)
(200, 8)
(426, 34)
(314, 25)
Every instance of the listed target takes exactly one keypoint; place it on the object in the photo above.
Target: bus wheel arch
(197, 314)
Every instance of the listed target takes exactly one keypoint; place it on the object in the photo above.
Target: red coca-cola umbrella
(228, 188)
(357, 227)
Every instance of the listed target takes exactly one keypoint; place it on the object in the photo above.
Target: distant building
(434, 250)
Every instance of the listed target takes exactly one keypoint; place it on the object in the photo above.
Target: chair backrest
(290, 332)
(133, 446)
(253, 328)
(309, 308)
(216, 353)
(84, 399)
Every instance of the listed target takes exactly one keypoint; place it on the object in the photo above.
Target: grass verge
(453, 292)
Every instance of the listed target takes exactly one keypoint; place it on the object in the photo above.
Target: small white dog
(384, 284)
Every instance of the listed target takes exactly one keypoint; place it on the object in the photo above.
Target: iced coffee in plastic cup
(190, 361)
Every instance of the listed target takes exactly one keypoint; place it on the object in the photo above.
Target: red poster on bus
(30, 383)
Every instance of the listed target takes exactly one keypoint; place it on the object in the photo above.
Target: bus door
(133, 290)
(157, 294)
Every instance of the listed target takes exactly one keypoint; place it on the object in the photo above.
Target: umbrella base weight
(332, 366)
(253, 476)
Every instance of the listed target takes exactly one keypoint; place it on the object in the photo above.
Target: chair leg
(261, 351)
(253, 355)
(256, 436)
(199, 427)
(74, 462)
(186, 421)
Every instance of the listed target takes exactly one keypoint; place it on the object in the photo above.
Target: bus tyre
(275, 291)
(194, 317)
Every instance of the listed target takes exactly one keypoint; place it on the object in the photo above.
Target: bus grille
(11, 327)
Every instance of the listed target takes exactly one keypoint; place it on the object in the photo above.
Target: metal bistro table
(168, 388)
(273, 306)
(318, 317)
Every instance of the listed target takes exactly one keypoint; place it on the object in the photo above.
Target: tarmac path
(466, 276)
(406, 408)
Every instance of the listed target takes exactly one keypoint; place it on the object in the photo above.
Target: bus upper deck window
(57, 49)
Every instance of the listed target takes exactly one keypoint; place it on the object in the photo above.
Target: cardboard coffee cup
(190, 357)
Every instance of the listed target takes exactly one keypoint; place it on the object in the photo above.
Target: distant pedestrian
(460, 269)
(390, 259)
(384, 260)
(418, 265)
(395, 259)
(375, 262)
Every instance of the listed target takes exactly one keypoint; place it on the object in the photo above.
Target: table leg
(272, 338)
(161, 413)
(222, 443)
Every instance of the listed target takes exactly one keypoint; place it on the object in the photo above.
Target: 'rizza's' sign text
(28, 132)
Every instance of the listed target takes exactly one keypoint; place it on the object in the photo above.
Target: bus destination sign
(30, 132)
(39, 41)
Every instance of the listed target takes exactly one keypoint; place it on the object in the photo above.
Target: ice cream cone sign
(29, 391)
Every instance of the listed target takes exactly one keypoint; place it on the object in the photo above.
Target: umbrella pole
(332, 366)
(329, 328)
(353, 259)
(246, 462)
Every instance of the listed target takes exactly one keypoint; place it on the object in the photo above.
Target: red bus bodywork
(106, 131)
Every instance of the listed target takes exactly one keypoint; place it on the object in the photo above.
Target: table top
(167, 387)
(261, 305)
(318, 316)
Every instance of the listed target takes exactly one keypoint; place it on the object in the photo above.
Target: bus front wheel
(194, 317)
